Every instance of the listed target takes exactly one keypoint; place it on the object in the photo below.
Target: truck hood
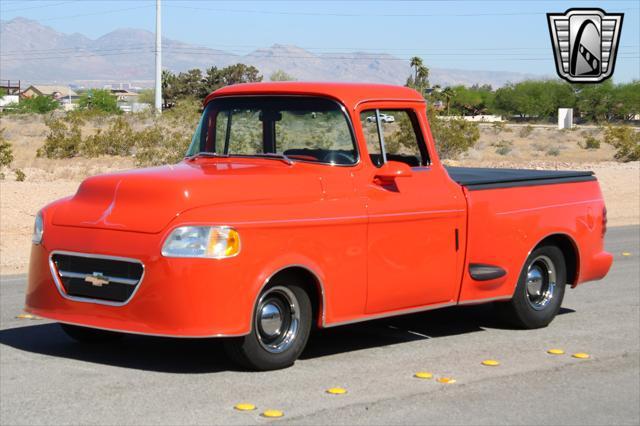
(147, 200)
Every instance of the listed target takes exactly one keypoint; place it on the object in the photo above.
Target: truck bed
(476, 178)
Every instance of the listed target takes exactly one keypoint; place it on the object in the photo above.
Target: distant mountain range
(36, 53)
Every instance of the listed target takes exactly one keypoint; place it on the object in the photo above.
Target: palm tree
(447, 94)
(416, 62)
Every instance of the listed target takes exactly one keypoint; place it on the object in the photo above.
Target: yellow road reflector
(491, 363)
(336, 391)
(423, 375)
(26, 316)
(244, 407)
(626, 253)
(581, 355)
(272, 413)
(446, 380)
(555, 352)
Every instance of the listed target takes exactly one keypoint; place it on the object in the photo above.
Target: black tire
(90, 335)
(535, 309)
(254, 351)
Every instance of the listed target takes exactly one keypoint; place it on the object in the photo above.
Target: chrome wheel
(277, 319)
(541, 282)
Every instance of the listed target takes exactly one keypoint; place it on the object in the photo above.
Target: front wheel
(540, 290)
(281, 325)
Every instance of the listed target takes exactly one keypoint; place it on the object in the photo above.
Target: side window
(370, 130)
(401, 136)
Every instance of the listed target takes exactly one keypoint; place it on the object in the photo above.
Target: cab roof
(349, 94)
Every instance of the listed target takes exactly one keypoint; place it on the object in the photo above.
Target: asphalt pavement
(45, 378)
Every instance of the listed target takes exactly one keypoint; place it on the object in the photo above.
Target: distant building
(59, 93)
(11, 92)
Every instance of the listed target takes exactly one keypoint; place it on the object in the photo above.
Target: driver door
(414, 223)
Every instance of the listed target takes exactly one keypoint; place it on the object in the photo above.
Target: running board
(483, 272)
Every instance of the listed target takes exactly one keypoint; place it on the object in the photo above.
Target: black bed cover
(475, 178)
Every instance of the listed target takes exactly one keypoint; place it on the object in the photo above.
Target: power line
(39, 6)
(95, 13)
(354, 15)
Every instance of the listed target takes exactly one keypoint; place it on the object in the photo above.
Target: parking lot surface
(45, 378)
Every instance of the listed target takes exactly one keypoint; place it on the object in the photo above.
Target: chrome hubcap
(270, 319)
(541, 282)
(277, 319)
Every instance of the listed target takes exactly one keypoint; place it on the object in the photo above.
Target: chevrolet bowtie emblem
(96, 279)
(585, 43)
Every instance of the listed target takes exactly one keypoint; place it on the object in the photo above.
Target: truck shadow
(193, 356)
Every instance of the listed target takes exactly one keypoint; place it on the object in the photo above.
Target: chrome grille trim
(69, 274)
(56, 277)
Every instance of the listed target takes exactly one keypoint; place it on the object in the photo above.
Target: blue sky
(482, 35)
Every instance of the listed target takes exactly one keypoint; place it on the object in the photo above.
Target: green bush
(64, 139)
(35, 105)
(118, 139)
(590, 142)
(6, 151)
(453, 137)
(526, 131)
(626, 141)
(20, 176)
(159, 145)
(99, 100)
(503, 147)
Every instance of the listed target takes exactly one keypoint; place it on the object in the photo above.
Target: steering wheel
(337, 158)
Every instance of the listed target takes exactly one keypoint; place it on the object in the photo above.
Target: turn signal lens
(38, 229)
(215, 242)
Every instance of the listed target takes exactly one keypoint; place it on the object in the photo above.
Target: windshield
(300, 128)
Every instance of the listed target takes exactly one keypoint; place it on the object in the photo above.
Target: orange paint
(374, 251)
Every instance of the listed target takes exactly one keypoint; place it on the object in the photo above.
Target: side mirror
(392, 170)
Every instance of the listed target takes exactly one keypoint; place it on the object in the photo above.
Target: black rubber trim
(477, 178)
(483, 272)
(530, 183)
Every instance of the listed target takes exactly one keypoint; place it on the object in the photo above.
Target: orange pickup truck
(297, 206)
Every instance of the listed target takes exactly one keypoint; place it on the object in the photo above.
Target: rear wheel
(540, 290)
(90, 335)
(281, 324)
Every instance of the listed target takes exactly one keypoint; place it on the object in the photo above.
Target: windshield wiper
(270, 155)
(207, 154)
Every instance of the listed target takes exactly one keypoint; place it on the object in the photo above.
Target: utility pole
(158, 59)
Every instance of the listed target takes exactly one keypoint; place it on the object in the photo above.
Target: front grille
(99, 278)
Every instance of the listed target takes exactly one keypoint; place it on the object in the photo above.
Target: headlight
(38, 229)
(216, 242)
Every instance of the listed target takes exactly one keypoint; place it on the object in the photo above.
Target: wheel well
(569, 251)
(311, 284)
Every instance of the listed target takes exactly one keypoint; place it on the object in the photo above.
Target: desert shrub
(503, 147)
(160, 145)
(6, 151)
(499, 127)
(35, 105)
(20, 175)
(553, 151)
(118, 139)
(64, 139)
(626, 141)
(537, 146)
(453, 137)
(526, 131)
(590, 142)
(99, 100)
